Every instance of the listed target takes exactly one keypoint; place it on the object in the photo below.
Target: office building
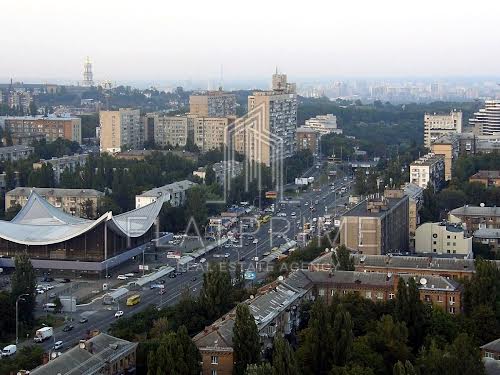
(487, 178)
(377, 225)
(429, 169)
(56, 240)
(447, 145)
(487, 120)
(324, 124)
(59, 165)
(443, 238)
(78, 202)
(436, 125)
(475, 217)
(211, 133)
(308, 139)
(174, 193)
(267, 133)
(14, 153)
(101, 354)
(120, 130)
(69, 128)
(213, 104)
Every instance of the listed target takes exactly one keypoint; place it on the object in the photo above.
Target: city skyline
(384, 40)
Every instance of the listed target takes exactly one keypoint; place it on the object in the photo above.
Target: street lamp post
(19, 298)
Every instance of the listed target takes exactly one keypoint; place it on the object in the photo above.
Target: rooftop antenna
(221, 82)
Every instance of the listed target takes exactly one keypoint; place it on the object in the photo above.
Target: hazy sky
(168, 39)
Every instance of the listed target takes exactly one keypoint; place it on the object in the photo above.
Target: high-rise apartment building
(120, 130)
(69, 128)
(213, 104)
(269, 131)
(487, 120)
(211, 132)
(436, 125)
(307, 139)
(447, 145)
(170, 130)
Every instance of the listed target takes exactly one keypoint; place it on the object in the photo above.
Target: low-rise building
(474, 217)
(456, 268)
(174, 193)
(443, 238)
(102, 354)
(308, 139)
(78, 202)
(488, 236)
(24, 139)
(59, 165)
(377, 225)
(429, 169)
(324, 124)
(14, 153)
(487, 178)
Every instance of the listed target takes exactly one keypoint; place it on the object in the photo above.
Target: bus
(133, 300)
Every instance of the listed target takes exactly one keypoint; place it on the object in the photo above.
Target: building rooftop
(413, 191)
(306, 129)
(485, 174)
(487, 233)
(8, 149)
(476, 211)
(385, 204)
(170, 188)
(40, 117)
(428, 159)
(97, 352)
(56, 192)
(446, 139)
(492, 346)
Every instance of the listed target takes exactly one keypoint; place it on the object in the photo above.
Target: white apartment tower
(436, 125)
(487, 120)
(429, 169)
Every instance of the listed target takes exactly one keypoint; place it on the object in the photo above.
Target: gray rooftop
(361, 208)
(476, 211)
(55, 192)
(80, 361)
(17, 148)
(487, 233)
(170, 188)
(493, 346)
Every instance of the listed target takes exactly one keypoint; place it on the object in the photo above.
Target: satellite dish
(281, 278)
(423, 281)
(481, 205)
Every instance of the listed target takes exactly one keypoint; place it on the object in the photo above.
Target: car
(266, 253)
(293, 214)
(242, 259)
(226, 255)
(68, 328)
(49, 287)
(65, 281)
(162, 291)
(48, 279)
(306, 204)
(121, 277)
(83, 320)
(217, 255)
(173, 275)
(40, 291)
(58, 345)
(193, 279)
(256, 241)
(119, 314)
(247, 243)
(255, 259)
(130, 274)
(154, 286)
(316, 202)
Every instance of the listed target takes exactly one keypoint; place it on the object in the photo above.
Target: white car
(121, 277)
(256, 241)
(255, 259)
(203, 260)
(293, 214)
(58, 345)
(40, 291)
(118, 314)
(129, 275)
(217, 255)
(226, 255)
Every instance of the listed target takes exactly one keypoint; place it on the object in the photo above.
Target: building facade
(377, 226)
(487, 178)
(174, 193)
(487, 120)
(447, 145)
(52, 128)
(77, 202)
(416, 199)
(170, 130)
(436, 125)
(211, 133)
(324, 124)
(443, 238)
(59, 165)
(429, 169)
(474, 217)
(308, 139)
(14, 153)
(120, 130)
(213, 104)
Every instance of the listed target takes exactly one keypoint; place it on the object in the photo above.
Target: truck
(9, 350)
(43, 334)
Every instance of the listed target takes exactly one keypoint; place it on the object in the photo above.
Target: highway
(101, 316)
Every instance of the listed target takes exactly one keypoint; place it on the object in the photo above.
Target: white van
(9, 350)
(58, 345)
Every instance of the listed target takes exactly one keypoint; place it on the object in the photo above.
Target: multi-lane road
(274, 233)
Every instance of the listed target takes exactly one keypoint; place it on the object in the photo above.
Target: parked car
(58, 345)
(121, 277)
(9, 350)
(256, 241)
(118, 314)
(68, 328)
(83, 320)
(172, 275)
(130, 274)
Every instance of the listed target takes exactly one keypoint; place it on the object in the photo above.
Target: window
(380, 295)
(448, 237)
(452, 300)
(214, 372)
(452, 310)
(434, 242)
(321, 292)
(215, 360)
(391, 295)
(489, 355)
(438, 298)
(427, 298)
(369, 294)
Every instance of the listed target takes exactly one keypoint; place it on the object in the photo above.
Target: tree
(87, 209)
(215, 295)
(24, 282)
(403, 369)
(12, 211)
(210, 175)
(58, 305)
(284, 362)
(246, 341)
(342, 259)
(196, 206)
(430, 208)
(262, 369)
(360, 186)
(343, 337)
(10, 178)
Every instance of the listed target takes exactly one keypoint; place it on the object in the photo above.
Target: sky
(189, 40)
